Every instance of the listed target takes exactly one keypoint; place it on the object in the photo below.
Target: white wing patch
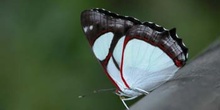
(117, 53)
(146, 66)
(102, 44)
(115, 74)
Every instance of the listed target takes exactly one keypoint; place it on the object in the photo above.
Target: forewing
(104, 31)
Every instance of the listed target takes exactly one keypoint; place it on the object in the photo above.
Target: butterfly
(136, 56)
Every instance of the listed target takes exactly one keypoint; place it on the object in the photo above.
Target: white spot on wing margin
(85, 29)
(90, 27)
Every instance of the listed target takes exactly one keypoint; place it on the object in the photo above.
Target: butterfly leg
(123, 99)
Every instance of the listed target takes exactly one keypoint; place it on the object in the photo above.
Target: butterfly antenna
(97, 91)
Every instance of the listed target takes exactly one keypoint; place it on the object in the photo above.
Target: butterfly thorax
(128, 92)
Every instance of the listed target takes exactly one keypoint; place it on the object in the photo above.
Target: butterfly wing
(133, 54)
(151, 56)
(105, 31)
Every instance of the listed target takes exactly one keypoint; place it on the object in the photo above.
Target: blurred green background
(45, 59)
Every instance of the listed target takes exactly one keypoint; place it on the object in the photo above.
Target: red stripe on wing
(104, 64)
(122, 62)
